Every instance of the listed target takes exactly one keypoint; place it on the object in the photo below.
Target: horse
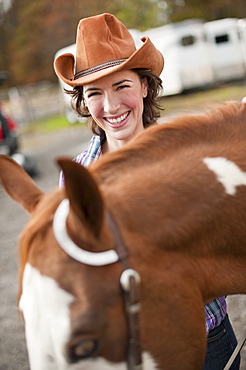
(116, 267)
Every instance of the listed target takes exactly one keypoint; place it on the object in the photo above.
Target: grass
(49, 124)
(52, 123)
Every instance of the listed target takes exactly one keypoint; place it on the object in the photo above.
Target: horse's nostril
(85, 348)
(81, 350)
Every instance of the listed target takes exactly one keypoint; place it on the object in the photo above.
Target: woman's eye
(122, 87)
(92, 94)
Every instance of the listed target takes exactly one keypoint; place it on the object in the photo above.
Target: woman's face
(115, 103)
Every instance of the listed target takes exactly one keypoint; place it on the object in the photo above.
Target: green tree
(138, 14)
(36, 30)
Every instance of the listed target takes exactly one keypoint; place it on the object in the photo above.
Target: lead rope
(236, 351)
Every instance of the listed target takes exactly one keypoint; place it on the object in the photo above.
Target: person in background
(117, 87)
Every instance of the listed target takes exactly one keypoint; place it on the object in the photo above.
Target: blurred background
(204, 45)
(199, 53)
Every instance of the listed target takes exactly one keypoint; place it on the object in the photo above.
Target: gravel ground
(44, 149)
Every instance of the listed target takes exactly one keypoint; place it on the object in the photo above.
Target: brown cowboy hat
(103, 46)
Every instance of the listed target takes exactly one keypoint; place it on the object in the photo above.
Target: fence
(31, 103)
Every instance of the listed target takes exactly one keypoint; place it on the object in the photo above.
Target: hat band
(99, 67)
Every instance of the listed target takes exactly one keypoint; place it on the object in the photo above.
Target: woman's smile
(117, 121)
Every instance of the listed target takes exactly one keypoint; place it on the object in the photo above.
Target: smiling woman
(117, 86)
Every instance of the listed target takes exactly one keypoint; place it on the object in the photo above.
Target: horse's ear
(18, 184)
(83, 194)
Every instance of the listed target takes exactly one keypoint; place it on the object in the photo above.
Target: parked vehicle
(187, 62)
(8, 137)
(9, 141)
(227, 47)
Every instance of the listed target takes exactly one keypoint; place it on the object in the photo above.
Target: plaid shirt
(91, 154)
(215, 311)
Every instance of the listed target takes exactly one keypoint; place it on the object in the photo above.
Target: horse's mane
(154, 142)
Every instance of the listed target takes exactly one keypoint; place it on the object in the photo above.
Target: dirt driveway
(44, 148)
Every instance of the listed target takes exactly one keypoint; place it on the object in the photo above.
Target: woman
(117, 87)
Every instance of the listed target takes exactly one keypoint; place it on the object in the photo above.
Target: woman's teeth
(117, 120)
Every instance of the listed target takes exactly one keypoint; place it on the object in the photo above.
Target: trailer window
(188, 40)
(221, 38)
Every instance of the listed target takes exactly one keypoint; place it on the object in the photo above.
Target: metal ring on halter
(125, 278)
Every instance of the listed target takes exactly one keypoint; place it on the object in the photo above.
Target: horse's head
(70, 311)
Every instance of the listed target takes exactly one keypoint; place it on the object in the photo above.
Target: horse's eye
(81, 350)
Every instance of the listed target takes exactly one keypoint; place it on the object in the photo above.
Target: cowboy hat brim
(147, 56)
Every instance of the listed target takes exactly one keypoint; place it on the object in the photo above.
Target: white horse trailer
(227, 47)
(70, 114)
(187, 62)
(242, 32)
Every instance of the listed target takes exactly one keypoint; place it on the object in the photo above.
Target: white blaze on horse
(170, 209)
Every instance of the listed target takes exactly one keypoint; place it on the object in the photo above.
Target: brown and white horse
(173, 204)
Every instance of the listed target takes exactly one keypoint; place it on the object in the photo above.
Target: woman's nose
(111, 103)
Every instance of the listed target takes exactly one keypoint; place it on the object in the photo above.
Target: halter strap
(129, 280)
(77, 253)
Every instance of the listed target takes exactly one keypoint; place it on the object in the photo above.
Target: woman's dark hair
(152, 105)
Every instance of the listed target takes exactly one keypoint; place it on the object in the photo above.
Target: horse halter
(129, 279)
